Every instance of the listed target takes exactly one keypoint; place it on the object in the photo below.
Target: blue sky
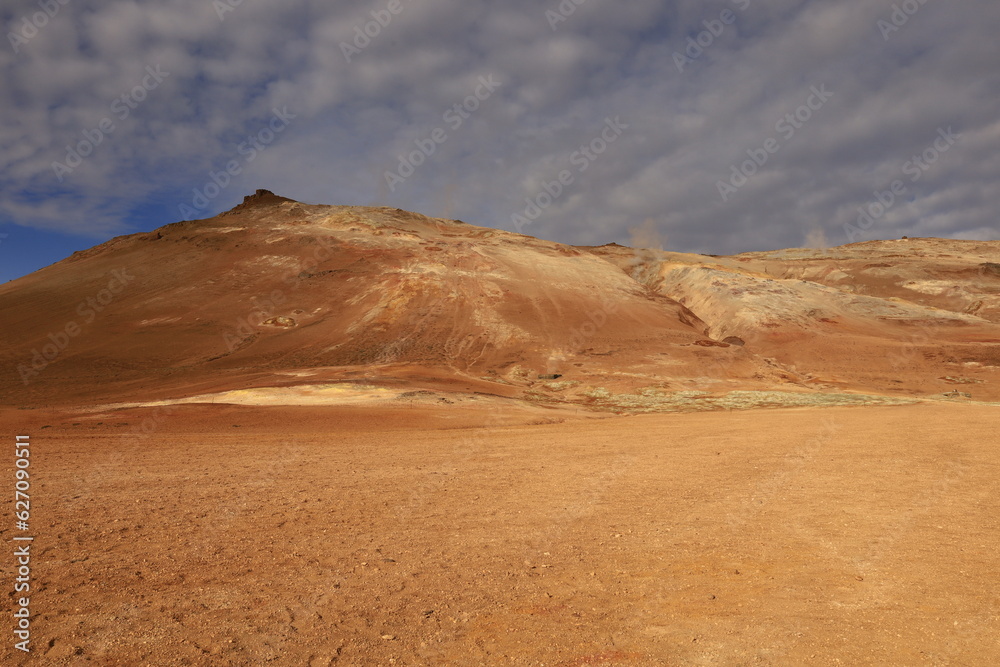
(723, 144)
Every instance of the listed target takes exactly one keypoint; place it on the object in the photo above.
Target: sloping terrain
(276, 293)
(320, 435)
(909, 317)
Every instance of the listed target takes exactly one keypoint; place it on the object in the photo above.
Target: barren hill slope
(279, 294)
(913, 316)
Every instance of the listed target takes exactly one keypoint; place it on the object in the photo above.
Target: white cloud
(353, 119)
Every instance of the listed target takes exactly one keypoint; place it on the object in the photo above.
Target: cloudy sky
(714, 127)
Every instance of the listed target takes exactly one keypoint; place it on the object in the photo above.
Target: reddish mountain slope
(276, 293)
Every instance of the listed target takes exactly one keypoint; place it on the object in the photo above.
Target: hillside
(280, 296)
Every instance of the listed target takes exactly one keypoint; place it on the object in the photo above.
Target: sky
(713, 127)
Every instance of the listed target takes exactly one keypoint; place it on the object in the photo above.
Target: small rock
(280, 321)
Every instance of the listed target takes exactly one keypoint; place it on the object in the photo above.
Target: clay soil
(420, 535)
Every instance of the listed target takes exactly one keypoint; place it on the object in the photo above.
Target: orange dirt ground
(417, 536)
(298, 434)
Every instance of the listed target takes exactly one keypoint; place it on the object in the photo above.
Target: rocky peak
(259, 199)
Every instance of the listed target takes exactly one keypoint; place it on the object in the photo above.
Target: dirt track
(237, 536)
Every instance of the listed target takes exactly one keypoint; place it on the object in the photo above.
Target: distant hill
(276, 293)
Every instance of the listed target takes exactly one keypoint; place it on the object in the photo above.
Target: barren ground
(416, 536)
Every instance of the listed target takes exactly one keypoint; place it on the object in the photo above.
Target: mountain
(278, 298)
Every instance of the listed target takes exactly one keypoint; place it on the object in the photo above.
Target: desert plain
(311, 435)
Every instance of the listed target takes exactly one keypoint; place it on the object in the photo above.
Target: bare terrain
(411, 536)
(276, 293)
(329, 435)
